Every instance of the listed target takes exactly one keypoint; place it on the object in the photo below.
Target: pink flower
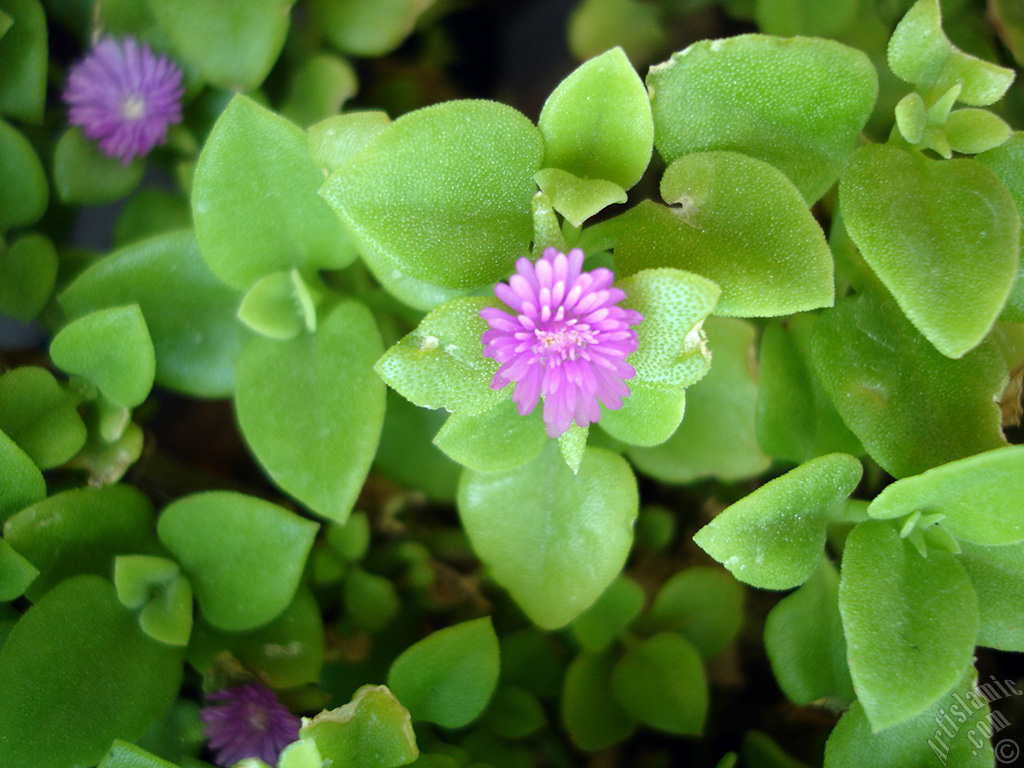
(566, 340)
(124, 97)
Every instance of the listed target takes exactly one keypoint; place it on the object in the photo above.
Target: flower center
(258, 718)
(134, 108)
(564, 341)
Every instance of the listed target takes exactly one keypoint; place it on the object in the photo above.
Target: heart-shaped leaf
(944, 237)
(23, 189)
(981, 498)
(49, 719)
(190, 314)
(773, 538)
(736, 221)
(920, 53)
(597, 123)
(441, 364)
(911, 407)
(449, 676)
(371, 731)
(906, 617)
(244, 556)
(255, 202)
(553, 538)
(796, 103)
(82, 531)
(311, 409)
(233, 43)
(112, 349)
(28, 272)
(443, 194)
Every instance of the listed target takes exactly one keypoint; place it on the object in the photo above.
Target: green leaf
(610, 616)
(671, 350)
(442, 195)
(980, 498)
(255, 202)
(591, 714)
(996, 573)
(233, 43)
(773, 538)
(918, 742)
(279, 306)
(5, 23)
(671, 353)
(575, 198)
(125, 755)
(318, 89)
(906, 617)
(407, 455)
(49, 718)
(804, 17)
(648, 417)
(661, 683)
(287, 652)
(16, 573)
(311, 409)
(920, 53)
(553, 538)
(168, 616)
(597, 123)
(449, 676)
(975, 130)
(952, 221)
(1007, 161)
(189, 313)
(152, 211)
(441, 364)
(716, 437)
(1008, 19)
(761, 751)
(300, 754)
(372, 601)
(572, 444)
(28, 272)
(23, 53)
(84, 175)
(23, 190)
(597, 25)
(81, 531)
(367, 27)
(112, 349)
(244, 556)
(703, 604)
(23, 482)
(497, 440)
(332, 142)
(371, 731)
(910, 406)
(40, 416)
(514, 713)
(796, 420)
(912, 117)
(740, 223)
(803, 636)
(135, 576)
(155, 585)
(798, 104)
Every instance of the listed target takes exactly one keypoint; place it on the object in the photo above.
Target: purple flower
(250, 723)
(567, 340)
(124, 96)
